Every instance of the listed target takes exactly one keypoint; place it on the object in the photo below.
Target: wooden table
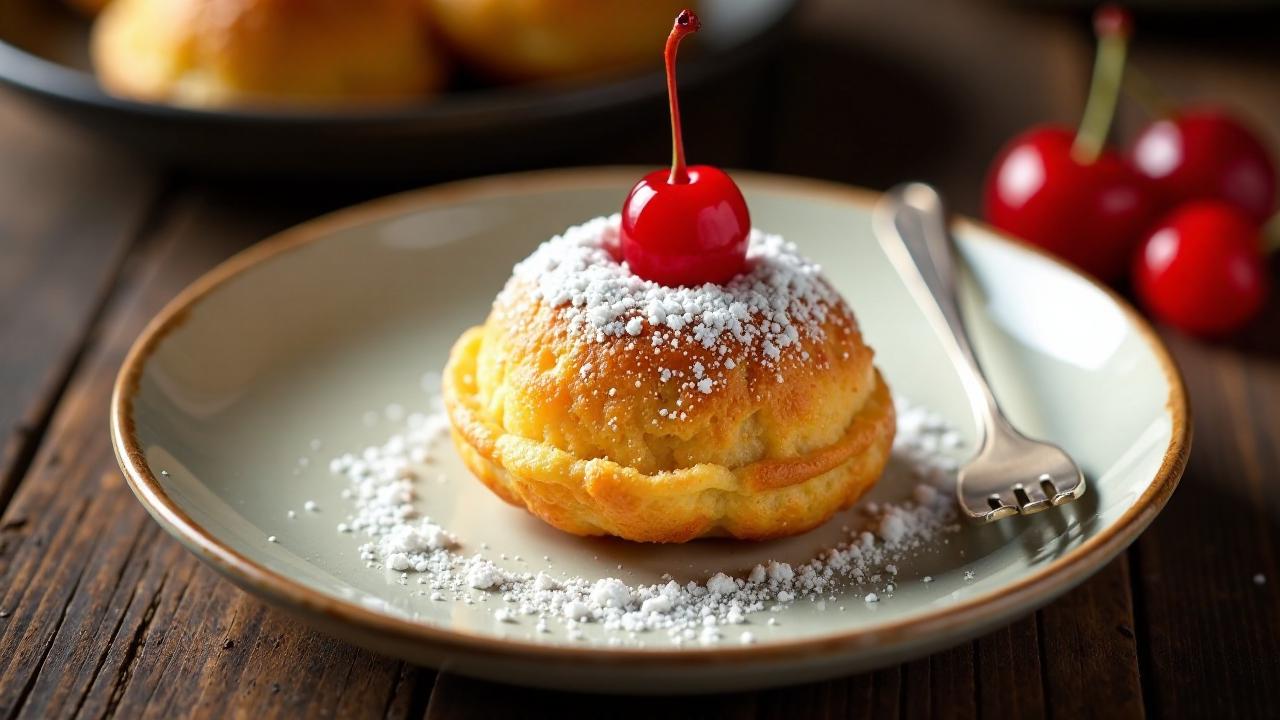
(101, 613)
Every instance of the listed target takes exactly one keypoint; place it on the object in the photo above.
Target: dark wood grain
(455, 696)
(69, 210)
(104, 613)
(1009, 674)
(942, 685)
(1089, 661)
(1205, 623)
(1089, 651)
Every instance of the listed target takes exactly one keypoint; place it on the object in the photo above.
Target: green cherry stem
(1113, 27)
(686, 23)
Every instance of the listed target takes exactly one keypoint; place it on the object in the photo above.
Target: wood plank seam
(115, 631)
(77, 518)
(1254, 407)
(1142, 635)
(32, 435)
(110, 296)
(133, 651)
(58, 637)
(169, 657)
(1042, 643)
(70, 210)
(903, 687)
(391, 698)
(976, 653)
(1260, 410)
(419, 691)
(62, 617)
(137, 642)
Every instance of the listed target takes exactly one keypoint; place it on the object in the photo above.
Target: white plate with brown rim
(301, 336)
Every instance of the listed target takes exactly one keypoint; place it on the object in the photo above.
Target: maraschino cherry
(1206, 154)
(689, 225)
(1065, 191)
(1202, 269)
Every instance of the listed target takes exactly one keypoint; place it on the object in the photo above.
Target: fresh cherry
(1089, 213)
(1206, 154)
(1202, 269)
(1065, 191)
(689, 225)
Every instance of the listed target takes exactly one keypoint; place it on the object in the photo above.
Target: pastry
(607, 404)
(668, 374)
(236, 52)
(541, 39)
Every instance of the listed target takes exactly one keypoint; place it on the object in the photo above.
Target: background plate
(44, 52)
(301, 336)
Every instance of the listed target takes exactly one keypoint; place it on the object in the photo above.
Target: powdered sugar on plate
(384, 481)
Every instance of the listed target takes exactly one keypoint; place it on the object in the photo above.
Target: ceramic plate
(309, 334)
(44, 52)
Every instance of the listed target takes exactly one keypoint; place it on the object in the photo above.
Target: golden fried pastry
(610, 405)
(540, 39)
(231, 52)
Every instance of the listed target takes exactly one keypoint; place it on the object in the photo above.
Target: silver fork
(1011, 474)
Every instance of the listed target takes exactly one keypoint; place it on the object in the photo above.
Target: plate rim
(979, 611)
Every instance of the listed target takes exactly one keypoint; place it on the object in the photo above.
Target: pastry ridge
(766, 497)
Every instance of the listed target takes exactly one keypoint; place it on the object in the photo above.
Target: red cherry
(1090, 213)
(688, 226)
(1065, 191)
(686, 234)
(1202, 269)
(1206, 154)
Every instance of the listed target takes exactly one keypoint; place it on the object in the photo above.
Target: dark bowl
(44, 54)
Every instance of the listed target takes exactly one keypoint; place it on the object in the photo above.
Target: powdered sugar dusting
(383, 482)
(765, 311)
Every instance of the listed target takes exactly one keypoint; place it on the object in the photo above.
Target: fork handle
(911, 223)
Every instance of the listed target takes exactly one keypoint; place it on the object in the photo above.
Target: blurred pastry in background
(521, 40)
(215, 53)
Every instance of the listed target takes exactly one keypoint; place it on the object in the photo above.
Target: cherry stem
(686, 23)
(1112, 26)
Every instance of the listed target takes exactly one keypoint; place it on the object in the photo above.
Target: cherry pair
(1201, 268)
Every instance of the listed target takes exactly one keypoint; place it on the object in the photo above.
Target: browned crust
(634, 399)
(265, 52)
(976, 612)
(768, 498)
(525, 41)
